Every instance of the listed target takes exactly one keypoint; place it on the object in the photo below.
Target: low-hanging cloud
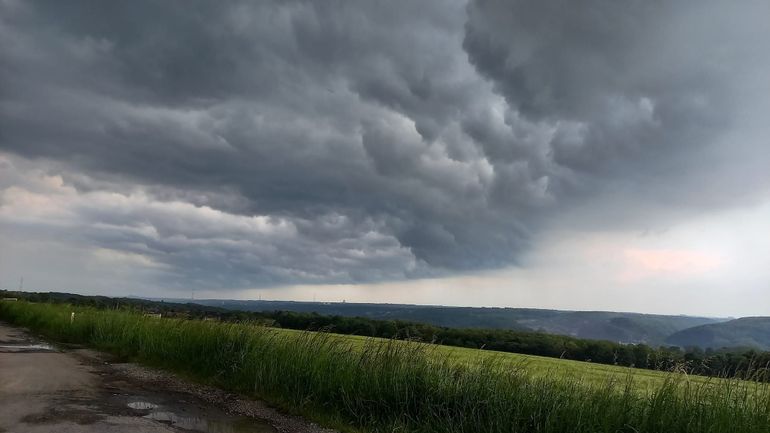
(643, 96)
(235, 144)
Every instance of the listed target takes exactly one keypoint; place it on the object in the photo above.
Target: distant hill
(745, 332)
(619, 327)
(482, 324)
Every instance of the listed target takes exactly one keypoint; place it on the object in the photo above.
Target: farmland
(365, 384)
(533, 365)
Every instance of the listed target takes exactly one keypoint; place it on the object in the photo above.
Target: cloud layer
(239, 144)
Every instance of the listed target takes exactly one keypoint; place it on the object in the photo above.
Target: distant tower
(21, 284)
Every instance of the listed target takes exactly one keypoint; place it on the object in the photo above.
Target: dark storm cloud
(395, 140)
(641, 94)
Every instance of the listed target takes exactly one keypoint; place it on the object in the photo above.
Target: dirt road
(47, 389)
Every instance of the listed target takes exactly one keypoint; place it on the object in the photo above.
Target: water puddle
(142, 405)
(26, 348)
(211, 423)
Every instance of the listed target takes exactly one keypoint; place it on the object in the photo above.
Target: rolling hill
(599, 325)
(745, 332)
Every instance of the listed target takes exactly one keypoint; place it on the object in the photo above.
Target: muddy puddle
(25, 347)
(142, 405)
(188, 417)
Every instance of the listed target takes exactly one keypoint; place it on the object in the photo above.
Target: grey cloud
(399, 140)
(200, 246)
(641, 95)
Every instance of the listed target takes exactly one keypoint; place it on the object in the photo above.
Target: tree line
(724, 362)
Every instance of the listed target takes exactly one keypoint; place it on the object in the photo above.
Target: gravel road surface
(45, 388)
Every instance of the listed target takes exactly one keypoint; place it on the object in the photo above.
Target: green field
(542, 366)
(374, 385)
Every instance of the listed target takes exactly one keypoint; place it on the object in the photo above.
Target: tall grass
(391, 386)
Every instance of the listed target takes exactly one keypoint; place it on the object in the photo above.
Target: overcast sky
(609, 155)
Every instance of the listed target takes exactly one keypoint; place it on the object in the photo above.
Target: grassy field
(358, 384)
(586, 372)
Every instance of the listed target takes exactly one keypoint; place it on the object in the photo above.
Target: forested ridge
(710, 362)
